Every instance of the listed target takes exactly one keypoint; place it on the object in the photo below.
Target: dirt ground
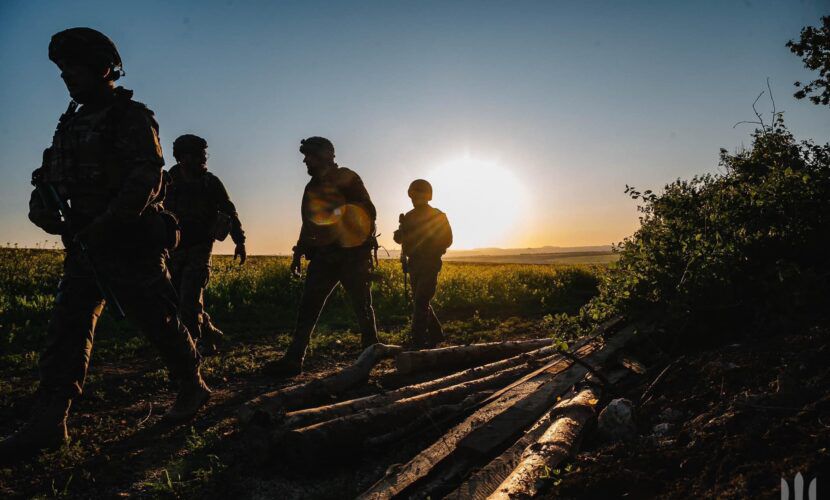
(740, 417)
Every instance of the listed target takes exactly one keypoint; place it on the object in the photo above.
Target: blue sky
(573, 99)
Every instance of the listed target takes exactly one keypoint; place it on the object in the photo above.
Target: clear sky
(558, 104)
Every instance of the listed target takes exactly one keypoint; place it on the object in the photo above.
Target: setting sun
(483, 201)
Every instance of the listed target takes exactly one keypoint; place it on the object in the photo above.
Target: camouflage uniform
(336, 236)
(197, 204)
(106, 160)
(424, 235)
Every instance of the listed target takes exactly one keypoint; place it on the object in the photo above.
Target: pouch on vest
(222, 227)
(172, 231)
(161, 230)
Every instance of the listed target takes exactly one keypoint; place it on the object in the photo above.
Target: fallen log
(504, 416)
(305, 417)
(311, 393)
(352, 430)
(557, 443)
(464, 355)
(484, 481)
(429, 418)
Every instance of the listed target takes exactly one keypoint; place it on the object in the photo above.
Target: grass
(258, 301)
(114, 450)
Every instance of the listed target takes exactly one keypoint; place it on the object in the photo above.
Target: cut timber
(428, 419)
(483, 482)
(507, 414)
(313, 392)
(464, 356)
(305, 417)
(557, 443)
(352, 430)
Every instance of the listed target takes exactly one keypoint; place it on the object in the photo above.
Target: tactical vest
(83, 162)
(88, 163)
(195, 205)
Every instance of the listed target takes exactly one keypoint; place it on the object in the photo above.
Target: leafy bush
(746, 247)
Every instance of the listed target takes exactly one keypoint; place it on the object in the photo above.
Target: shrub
(747, 247)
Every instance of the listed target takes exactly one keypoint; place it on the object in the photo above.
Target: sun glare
(482, 200)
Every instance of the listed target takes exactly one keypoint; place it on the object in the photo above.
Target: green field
(127, 386)
(258, 301)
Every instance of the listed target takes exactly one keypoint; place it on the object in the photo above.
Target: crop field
(115, 449)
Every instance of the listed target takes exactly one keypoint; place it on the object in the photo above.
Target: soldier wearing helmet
(105, 167)
(424, 235)
(206, 213)
(337, 238)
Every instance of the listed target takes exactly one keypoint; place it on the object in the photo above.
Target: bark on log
(464, 356)
(483, 482)
(427, 419)
(557, 443)
(352, 430)
(305, 417)
(274, 403)
(503, 418)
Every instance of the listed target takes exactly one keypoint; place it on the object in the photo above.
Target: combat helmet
(87, 46)
(188, 143)
(420, 187)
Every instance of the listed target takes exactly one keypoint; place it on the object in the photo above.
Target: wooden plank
(464, 356)
(557, 443)
(272, 405)
(350, 431)
(485, 480)
(308, 416)
(532, 396)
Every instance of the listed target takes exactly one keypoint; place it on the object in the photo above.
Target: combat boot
(286, 366)
(193, 394)
(45, 430)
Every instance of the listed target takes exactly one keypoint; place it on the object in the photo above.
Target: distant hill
(540, 255)
(528, 251)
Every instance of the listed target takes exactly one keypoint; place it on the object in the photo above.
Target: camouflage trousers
(426, 329)
(144, 290)
(353, 269)
(190, 270)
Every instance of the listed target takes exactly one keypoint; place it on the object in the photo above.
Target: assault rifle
(404, 266)
(52, 199)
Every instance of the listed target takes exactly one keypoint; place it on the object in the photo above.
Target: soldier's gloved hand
(45, 218)
(240, 252)
(95, 235)
(297, 265)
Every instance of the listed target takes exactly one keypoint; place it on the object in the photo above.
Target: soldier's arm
(225, 205)
(398, 234)
(139, 152)
(448, 232)
(355, 192)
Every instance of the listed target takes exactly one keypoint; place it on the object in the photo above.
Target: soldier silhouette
(424, 235)
(105, 162)
(337, 238)
(205, 213)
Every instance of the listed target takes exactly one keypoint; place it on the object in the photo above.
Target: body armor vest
(194, 203)
(83, 162)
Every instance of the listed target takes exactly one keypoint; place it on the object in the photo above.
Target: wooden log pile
(512, 412)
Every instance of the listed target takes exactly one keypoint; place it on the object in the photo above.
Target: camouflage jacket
(196, 204)
(337, 212)
(107, 162)
(424, 234)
